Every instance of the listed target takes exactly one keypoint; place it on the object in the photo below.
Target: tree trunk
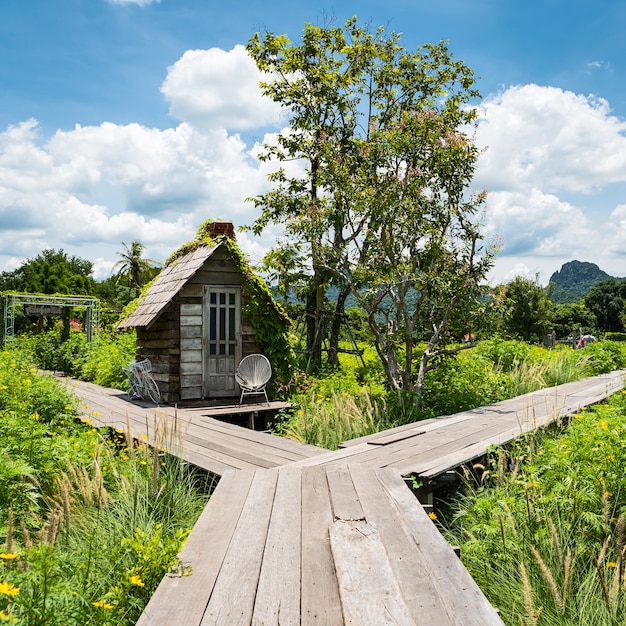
(333, 343)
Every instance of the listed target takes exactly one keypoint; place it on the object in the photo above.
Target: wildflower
(101, 604)
(432, 515)
(611, 564)
(5, 617)
(7, 589)
(136, 580)
(604, 425)
(8, 555)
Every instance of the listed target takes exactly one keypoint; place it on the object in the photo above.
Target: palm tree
(132, 269)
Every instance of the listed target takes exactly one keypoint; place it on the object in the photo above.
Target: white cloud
(552, 159)
(218, 89)
(552, 139)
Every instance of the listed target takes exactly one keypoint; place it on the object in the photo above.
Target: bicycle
(142, 385)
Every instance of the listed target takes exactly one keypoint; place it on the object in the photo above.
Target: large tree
(607, 301)
(380, 207)
(51, 272)
(526, 308)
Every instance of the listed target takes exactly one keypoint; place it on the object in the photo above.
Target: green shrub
(614, 336)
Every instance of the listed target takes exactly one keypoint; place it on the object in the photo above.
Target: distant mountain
(574, 281)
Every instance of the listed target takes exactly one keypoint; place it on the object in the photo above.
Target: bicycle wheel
(151, 389)
(133, 383)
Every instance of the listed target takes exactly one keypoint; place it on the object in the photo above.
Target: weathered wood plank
(182, 599)
(320, 604)
(469, 605)
(343, 496)
(232, 600)
(367, 586)
(420, 591)
(278, 592)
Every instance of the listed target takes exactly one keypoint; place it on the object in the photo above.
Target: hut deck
(323, 545)
(191, 434)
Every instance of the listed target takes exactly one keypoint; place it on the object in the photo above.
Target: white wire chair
(252, 375)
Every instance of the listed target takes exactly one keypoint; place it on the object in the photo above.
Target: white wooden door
(221, 340)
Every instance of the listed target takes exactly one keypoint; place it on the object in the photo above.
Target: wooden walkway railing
(297, 535)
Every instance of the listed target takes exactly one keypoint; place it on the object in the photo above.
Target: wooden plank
(367, 586)
(191, 320)
(470, 606)
(182, 599)
(232, 600)
(428, 598)
(190, 309)
(278, 592)
(427, 425)
(343, 496)
(190, 343)
(320, 604)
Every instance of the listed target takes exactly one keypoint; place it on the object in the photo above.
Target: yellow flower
(432, 515)
(604, 425)
(611, 564)
(136, 580)
(101, 604)
(5, 617)
(8, 589)
(8, 555)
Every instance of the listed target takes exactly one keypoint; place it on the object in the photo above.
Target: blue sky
(138, 119)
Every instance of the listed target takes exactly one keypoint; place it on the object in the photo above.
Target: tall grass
(546, 540)
(327, 422)
(90, 519)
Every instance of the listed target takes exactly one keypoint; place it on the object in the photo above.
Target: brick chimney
(217, 229)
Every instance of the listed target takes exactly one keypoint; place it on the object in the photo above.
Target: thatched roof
(166, 285)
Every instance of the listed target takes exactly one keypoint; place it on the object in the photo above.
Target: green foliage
(51, 272)
(90, 521)
(605, 356)
(607, 301)
(133, 270)
(467, 381)
(615, 336)
(545, 540)
(102, 361)
(568, 320)
(526, 309)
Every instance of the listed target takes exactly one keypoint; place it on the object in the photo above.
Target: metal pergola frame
(12, 300)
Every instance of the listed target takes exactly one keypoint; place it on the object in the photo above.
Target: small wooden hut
(195, 323)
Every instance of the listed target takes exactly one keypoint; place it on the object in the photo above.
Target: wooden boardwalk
(297, 535)
(317, 545)
(191, 434)
(432, 447)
